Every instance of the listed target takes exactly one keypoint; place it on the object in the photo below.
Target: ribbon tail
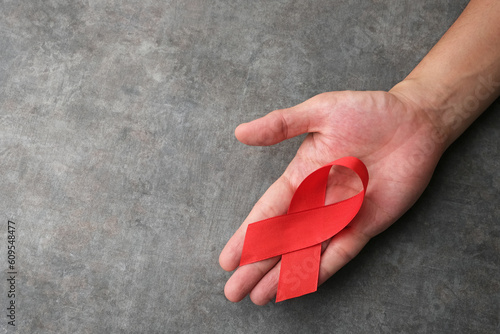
(299, 273)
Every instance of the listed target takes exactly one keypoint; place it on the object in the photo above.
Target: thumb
(283, 124)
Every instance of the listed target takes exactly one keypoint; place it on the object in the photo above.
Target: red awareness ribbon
(297, 236)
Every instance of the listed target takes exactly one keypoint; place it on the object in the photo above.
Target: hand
(385, 130)
(399, 135)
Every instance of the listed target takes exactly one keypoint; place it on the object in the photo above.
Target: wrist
(449, 106)
(428, 104)
(460, 77)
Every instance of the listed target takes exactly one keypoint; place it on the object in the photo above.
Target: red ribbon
(297, 236)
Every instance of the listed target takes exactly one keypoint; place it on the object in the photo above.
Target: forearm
(460, 77)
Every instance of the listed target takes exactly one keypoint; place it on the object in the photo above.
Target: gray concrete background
(119, 166)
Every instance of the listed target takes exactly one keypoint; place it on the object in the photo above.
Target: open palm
(395, 140)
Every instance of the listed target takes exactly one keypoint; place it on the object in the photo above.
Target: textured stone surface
(119, 166)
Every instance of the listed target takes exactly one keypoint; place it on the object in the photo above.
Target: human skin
(400, 135)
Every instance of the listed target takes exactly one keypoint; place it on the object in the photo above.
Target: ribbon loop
(297, 236)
